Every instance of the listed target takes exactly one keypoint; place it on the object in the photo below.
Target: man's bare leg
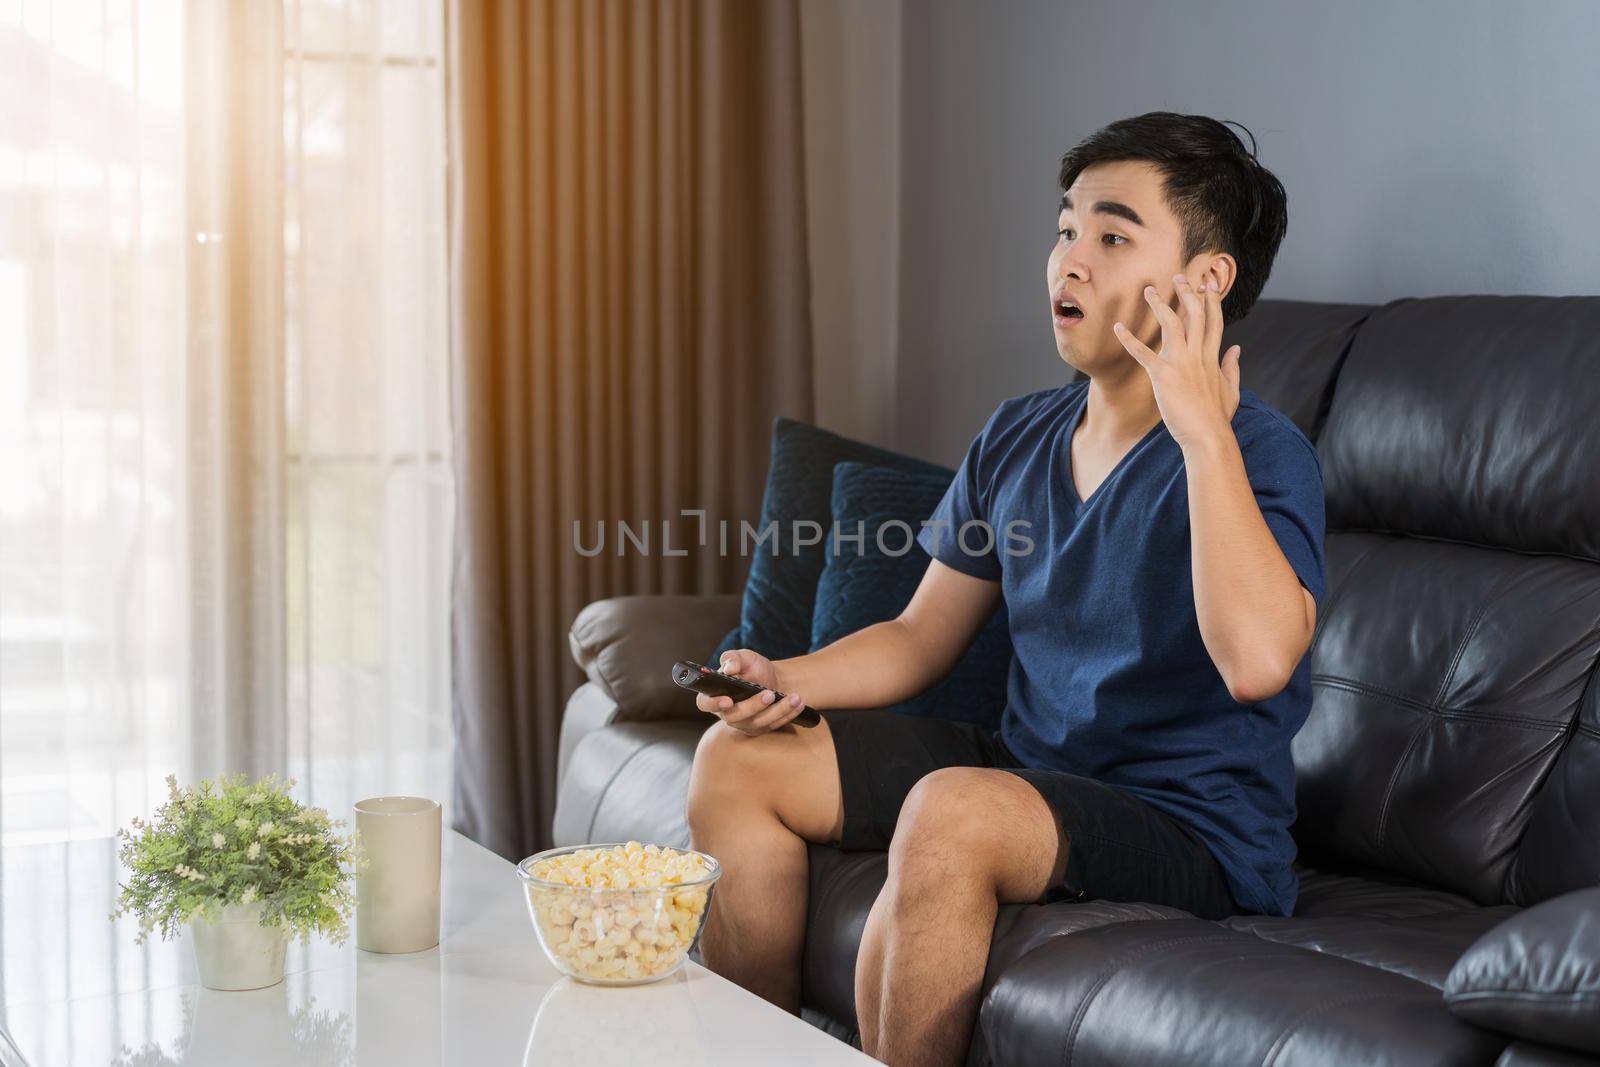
(870, 969)
(968, 839)
(754, 803)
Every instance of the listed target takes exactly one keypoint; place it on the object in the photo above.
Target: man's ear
(1226, 270)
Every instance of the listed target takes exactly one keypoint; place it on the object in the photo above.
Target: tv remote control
(699, 678)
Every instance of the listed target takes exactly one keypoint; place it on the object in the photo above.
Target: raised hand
(1196, 392)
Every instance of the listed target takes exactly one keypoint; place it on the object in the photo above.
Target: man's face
(1118, 237)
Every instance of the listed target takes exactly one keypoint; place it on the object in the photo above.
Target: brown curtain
(630, 309)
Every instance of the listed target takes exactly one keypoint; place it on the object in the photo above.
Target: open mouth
(1067, 313)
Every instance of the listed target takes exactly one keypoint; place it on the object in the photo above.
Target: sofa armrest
(1536, 975)
(628, 644)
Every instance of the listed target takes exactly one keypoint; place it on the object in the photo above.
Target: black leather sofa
(1448, 777)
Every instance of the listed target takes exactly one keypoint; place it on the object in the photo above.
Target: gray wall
(1427, 148)
(850, 63)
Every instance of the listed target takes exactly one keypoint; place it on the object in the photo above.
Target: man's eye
(1061, 234)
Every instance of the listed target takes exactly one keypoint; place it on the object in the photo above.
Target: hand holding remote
(758, 714)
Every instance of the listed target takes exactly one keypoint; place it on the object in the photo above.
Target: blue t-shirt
(1111, 678)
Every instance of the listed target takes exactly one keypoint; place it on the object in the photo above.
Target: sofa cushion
(1422, 947)
(873, 579)
(1557, 854)
(1449, 738)
(842, 887)
(1370, 917)
(588, 709)
(628, 644)
(1368, 893)
(1447, 680)
(629, 782)
(1462, 417)
(1536, 975)
(775, 615)
(1190, 993)
(1290, 354)
(1534, 1054)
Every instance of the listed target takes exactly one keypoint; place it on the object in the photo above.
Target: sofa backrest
(1454, 735)
(1290, 352)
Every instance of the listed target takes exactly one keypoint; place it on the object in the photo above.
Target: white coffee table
(77, 990)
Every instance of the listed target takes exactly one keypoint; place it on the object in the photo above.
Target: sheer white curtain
(368, 485)
(225, 497)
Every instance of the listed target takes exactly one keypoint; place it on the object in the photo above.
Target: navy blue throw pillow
(775, 616)
(872, 581)
(730, 641)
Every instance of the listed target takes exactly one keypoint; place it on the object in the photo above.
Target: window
(367, 396)
(225, 493)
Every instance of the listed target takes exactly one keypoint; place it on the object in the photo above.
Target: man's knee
(723, 771)
(942, 823)
(739, 778)
(722, 747)
(969, 823)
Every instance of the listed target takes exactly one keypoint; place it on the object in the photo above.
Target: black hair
(1224, 199)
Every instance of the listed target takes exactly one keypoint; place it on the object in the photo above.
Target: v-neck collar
(1079, 504)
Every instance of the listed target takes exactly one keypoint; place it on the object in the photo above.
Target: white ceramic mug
(397, 894)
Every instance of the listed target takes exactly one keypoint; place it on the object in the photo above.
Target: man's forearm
(1251, 606)
(876, 666)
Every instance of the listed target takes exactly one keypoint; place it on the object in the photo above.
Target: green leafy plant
(234, 841)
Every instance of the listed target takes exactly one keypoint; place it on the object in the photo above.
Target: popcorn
(612, 914)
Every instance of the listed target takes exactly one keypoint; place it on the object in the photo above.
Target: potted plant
(245, 867)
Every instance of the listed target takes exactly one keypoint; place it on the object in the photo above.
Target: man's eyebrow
(1107, 207)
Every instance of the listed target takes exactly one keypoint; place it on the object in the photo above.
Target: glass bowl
(618, 935)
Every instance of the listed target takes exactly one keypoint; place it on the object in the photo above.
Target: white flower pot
(236, 951)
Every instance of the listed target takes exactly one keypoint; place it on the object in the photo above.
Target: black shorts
(1118, 846)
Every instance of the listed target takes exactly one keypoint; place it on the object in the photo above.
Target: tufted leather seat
(1448, 776)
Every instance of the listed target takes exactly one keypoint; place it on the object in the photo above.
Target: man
(1161, 622)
